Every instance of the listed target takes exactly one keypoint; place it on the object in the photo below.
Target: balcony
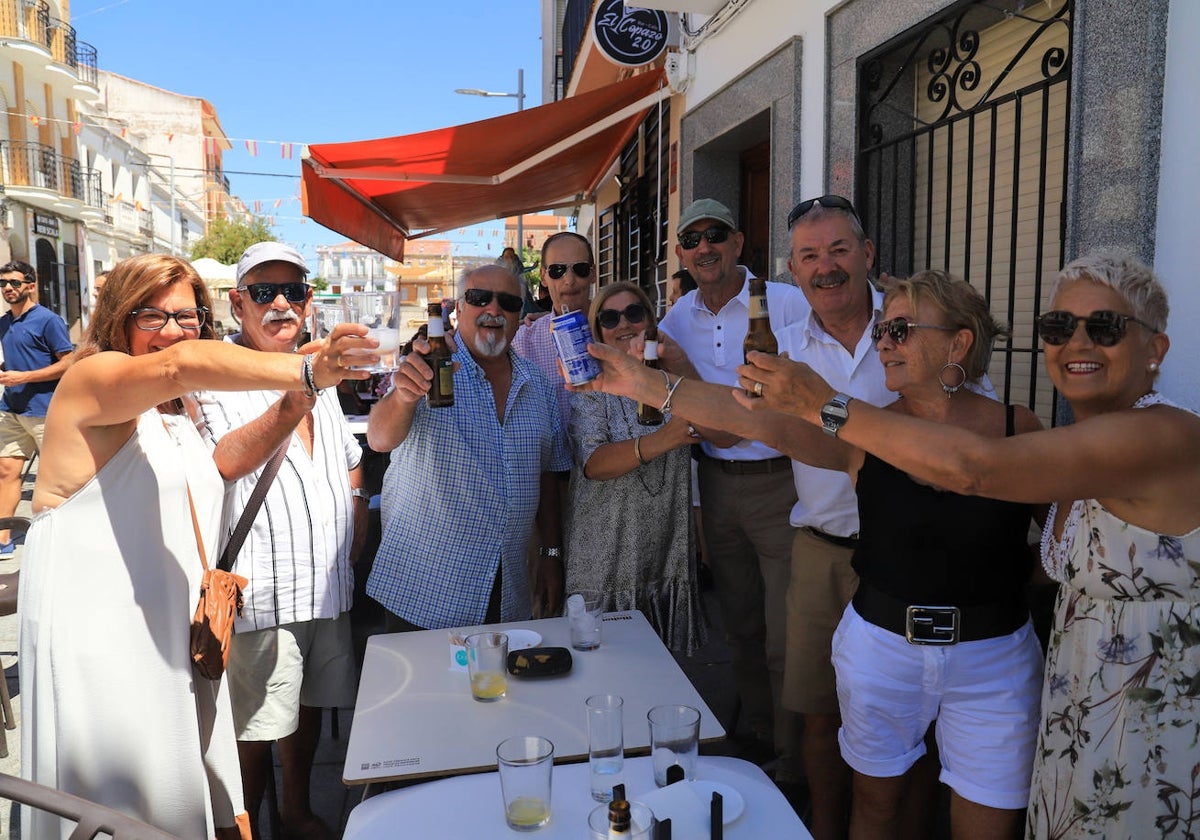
(50, 177)
(30, 20)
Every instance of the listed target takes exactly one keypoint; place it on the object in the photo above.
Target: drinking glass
(526, 763)
(379, 312)
(487, 660)
(606, 744)
(674, 739)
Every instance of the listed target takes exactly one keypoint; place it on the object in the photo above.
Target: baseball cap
(705, 208)
(264, 252)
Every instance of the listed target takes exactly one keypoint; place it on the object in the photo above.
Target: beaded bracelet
(307, 377)
(666, 406)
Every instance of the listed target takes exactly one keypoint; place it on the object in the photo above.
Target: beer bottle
(619, 820)
(648, 415)
(759, 336)
(441, 389)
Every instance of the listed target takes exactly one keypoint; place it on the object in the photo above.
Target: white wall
(1177, 258)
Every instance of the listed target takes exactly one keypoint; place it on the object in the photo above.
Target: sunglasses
(482, 297)
(832, 202)
(152, 319)
(634, 313)
(266, 292)
(714, 235)
(579, 269)
(1104, 327)
(897, 329)
(13, 283)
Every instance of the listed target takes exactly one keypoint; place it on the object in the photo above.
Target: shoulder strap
(196, 528)
(252, 505)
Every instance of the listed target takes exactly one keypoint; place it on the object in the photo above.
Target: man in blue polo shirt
(37, 351)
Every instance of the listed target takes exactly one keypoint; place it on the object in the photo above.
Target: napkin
(683, 805)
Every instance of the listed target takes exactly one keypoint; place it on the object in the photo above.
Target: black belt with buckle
(832, 539)
(767, 465)
(939, 625)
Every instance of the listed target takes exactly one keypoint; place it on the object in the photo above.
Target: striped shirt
(535, 343)
(297, 554)
(460, 497)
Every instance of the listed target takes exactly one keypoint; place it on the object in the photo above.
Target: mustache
(279, 315)
(486, 320)
(834, 278)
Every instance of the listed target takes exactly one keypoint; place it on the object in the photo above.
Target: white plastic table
(471, 806)
(415, 716)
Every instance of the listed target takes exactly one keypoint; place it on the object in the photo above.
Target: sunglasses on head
(897, 329)
(579, 269)
(634, 313)
(1104, 327)
(832, 202)
(13, 283)
(714, 235)
(266, 292)
(482, 297)
(153, 319)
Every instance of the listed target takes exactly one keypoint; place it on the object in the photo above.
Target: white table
(471, 806)
(415, 717)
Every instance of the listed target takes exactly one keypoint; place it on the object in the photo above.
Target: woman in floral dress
(1119, 743)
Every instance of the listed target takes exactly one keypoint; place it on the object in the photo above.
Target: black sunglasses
(266, 292)
(152, 319)
(634, 313)
(1104, 327)
(714, 235)
(832, 202)
(580, 269)
(14, 283)
(482, 297)
(897, 329)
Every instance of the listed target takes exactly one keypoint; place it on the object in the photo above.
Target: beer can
(572, 335)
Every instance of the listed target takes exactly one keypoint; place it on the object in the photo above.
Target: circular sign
(629, 36)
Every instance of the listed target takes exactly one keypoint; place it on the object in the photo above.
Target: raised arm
(391, 417)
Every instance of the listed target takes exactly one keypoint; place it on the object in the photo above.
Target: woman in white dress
(112, 710)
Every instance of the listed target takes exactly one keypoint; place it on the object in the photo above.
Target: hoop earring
(951, 389)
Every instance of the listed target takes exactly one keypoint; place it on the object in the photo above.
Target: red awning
(380, 192)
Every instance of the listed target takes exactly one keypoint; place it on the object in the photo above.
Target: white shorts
(272, 672)
(985, 696)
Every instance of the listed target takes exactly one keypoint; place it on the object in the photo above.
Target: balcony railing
(30, 20)
(574, 28)
(146, 222)
(36, 165)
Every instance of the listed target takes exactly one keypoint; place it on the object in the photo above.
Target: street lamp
(520, 97)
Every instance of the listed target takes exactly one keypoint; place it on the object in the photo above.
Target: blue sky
(309, 72)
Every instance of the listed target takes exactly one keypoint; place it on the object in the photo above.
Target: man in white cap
(745, 486)
(291, 653)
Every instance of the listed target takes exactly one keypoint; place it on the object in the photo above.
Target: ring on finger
(758, 389)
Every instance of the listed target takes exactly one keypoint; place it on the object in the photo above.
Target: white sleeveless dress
(1119, 745)
(111, 709)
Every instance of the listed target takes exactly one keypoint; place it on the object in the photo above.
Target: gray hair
(819, 211)
(1125, 274)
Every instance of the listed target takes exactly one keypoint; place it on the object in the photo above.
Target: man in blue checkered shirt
(467, 484)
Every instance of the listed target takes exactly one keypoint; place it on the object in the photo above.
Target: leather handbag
(221, 589)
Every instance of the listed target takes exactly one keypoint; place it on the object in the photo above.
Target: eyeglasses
(13, 283)
(482, 297)
(266, 292)
(714, 235)
(634, 313)
(579, 269)
(152, 319)
(1104, 327)
(897, 329)
(832, 202)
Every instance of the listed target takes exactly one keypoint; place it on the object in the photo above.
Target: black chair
(8, 606)
(91, 819)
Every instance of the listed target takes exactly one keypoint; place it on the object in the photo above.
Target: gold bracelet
(637, 451)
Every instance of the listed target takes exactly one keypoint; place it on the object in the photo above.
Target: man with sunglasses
(292, 653)
(467, 484)
(37, 351)
(746, 488)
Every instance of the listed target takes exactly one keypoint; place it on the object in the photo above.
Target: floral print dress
(1119, 746)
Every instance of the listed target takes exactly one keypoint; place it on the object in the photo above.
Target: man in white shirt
(291, 653)
(745, 486)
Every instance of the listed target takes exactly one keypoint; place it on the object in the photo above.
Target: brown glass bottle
(759, 336)
(648, 415)
(619, 819)
(441, 389)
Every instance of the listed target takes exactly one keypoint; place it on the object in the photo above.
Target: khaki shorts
(20, 434)
(821, 585)
(272, 672)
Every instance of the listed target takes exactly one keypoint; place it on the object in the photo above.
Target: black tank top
(928, 546)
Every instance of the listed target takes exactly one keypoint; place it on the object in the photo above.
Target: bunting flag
(124, 133)
(257, 206)
(170, 136)
(77, 127)
(252, 147)
(137, 205)
(118, 198)
(285, 151)
(278, 201)
(35, 119)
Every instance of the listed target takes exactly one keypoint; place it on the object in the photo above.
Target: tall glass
(674, 739)
(526, 764)
(379, 312)
(606, 744)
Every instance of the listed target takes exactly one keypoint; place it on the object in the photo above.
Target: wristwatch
(552, 551)
(834, 414)
(360, 493)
